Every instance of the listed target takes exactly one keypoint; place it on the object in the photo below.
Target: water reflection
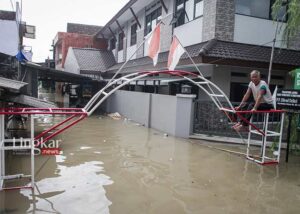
(77, 189)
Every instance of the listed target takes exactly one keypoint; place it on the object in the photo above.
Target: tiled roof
(90, 59)
(7, 15)
(83, 29)
(232, 50)
(11, 84)
(162, 58)
(223, 51)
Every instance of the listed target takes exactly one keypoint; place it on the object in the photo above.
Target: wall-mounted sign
(288, 99)
(297, 79)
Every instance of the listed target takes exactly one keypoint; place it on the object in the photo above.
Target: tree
(293, 19)
(292, 14)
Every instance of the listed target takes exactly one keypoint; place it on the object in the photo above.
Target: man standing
(262, 96)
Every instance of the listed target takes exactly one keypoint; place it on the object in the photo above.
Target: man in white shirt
(262, 96)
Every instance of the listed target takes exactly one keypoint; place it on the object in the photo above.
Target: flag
(154, 44)
(176, 50)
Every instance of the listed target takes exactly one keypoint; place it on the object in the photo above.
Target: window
(133, 34)
(257, 8)
(120, 40)
(152, 19)
(187, 10)
(112, 44)
(198, 8)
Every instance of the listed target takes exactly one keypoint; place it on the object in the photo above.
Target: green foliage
(293, 16)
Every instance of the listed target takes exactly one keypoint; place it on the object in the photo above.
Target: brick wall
(225, 20)
(166, 29)
(77, 41)
(209, 19)
(218, 19)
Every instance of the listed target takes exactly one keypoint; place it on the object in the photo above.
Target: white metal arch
(213, 91)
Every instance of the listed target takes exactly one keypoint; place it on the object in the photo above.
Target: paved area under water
(117, 166)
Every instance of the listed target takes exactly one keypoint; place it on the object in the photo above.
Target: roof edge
(115, 17)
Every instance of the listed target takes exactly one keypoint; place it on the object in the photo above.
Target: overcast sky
(52, 16)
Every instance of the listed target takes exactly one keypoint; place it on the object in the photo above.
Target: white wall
(256, 31)
(8, 37)
(120, 56)
(71, 64)
(131, 50)
(190, 33)
(163, 113)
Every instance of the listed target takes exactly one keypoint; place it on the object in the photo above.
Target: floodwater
(117, 166)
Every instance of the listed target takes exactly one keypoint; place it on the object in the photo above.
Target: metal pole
(2, 152)
(32, 148)
(288, 137)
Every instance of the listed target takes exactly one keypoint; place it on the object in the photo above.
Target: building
(89, 62)
(225, 38)
(77, 36)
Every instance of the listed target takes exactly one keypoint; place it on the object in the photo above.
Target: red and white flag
(154, 44)
(176, 50)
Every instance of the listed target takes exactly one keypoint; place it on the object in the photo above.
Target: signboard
(297, 79)
(288, 99)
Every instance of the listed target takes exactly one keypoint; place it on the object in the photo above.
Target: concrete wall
(195, 32)
(163, 113)
(256, 31)
(133, 105)
(169, 114)
(9, 37)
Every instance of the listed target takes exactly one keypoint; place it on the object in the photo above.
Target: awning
(30, 101)
(12, 85)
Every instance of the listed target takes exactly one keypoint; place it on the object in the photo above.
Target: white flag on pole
(176, 50)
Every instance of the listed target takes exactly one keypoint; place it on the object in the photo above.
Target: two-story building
(78, 36)
(225, 38)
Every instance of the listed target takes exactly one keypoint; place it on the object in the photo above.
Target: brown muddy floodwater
(117, 166)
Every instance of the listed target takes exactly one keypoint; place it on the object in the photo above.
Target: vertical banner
(297, 79)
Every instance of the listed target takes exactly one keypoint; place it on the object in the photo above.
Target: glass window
(133, 34)
(152, 19)
(257, 8)
(184, 12)
(198, 8)
(120, 40)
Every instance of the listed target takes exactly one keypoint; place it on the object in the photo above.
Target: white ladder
(16, 144)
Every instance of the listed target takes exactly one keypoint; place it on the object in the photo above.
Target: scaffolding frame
(265, 134)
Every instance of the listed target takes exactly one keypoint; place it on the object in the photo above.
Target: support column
(32, 149)
(2, 152)
(184, 115)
